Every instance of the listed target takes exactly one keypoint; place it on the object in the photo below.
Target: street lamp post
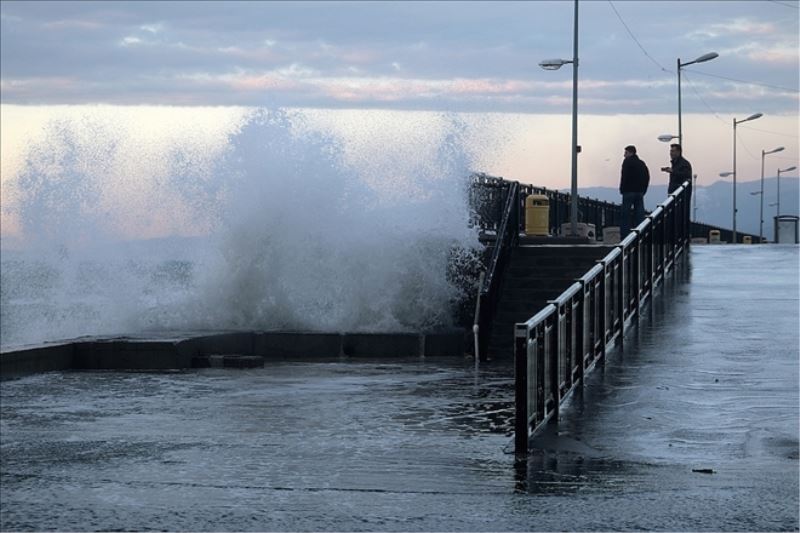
(701, 59)
(778, 203)
(761, 216)
(555, 64)
(735, 123)
(725, 175)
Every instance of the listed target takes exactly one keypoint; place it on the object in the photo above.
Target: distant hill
(715, 202)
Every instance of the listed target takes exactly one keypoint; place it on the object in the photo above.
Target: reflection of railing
(557, 346)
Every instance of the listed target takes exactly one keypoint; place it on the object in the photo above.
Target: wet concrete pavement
(709, 380)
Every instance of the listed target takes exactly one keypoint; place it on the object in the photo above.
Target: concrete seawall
(182, 352)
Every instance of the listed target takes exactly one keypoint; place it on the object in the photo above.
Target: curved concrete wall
(178, 353)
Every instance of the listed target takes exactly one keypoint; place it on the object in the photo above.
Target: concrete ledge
(286, 344)
(239, 343)
(381, 344)
(444, 344)
(122, 354)
(34, 360)
(176, 353)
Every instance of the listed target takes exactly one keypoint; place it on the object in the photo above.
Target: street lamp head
(706, 57)
(755, 193)
(553, 64)
(665, 138)
(787, 169)
(725, 174)
(775, 151)
(753, 117)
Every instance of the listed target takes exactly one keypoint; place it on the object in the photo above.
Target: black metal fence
(489, 193)
(556, 347)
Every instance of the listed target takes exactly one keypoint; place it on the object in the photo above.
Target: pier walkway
(692, 427)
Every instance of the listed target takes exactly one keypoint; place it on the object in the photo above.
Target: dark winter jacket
(635, 175)
(681, 171)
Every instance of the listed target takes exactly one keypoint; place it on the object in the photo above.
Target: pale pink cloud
(243, 81)
(73, 24)
(260, 83)
(487, 86)
(256, 54)
(22, 86)
(355, 55)
(738, 26)
(784, 54)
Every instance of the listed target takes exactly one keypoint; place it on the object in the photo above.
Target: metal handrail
(506, 239)
(476, 322)
(554, 349)
(505, 233)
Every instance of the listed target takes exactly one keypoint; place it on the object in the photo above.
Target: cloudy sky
(459, 56)
(384, 73)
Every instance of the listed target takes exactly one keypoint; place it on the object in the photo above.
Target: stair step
(559, 285)
(563, 251)
(527, 295)
(549, 272)
(552, 262)
(522, 307)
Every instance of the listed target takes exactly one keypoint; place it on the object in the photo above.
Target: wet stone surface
(709, 381)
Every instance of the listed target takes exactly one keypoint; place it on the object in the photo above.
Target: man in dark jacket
(681, 169)
(679, 172)
(633, 184)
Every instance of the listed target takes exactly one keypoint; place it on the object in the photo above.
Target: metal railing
(488, 195)
(507, 235)
(498, 210)
(555, 348)
(590, 210)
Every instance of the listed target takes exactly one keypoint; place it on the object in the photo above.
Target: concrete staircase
(536, 274)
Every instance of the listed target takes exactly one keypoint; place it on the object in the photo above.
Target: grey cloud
(191, 52)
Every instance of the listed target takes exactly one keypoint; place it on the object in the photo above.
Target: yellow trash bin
(537, 215)
(747, 239)
(713, 236)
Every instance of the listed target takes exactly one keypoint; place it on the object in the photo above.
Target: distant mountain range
(715, 202)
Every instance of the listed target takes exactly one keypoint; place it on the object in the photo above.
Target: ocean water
(267, 220)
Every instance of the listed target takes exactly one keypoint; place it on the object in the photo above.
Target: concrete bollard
(611, 235)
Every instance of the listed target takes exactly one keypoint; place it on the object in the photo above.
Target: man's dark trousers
(631, 201)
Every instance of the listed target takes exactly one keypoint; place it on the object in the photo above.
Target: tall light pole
(761, 217)
(725, 175)
(778, 208)
(555, 64)
(705, 57)
(735, 123)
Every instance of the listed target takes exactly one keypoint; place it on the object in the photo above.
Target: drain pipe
(475, 324)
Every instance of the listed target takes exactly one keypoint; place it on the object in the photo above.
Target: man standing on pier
(679, 172)
(633, 184)
(681, 169)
